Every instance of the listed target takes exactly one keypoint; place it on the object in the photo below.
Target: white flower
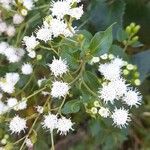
(13, 54)
(21, 105)
(44, 34)
(110, 71)
(57, 27)
(27, 69)
(132, 98)
(60, 8)
(12, 103)
(58, 67)
(40, 109)
(94, 60)
(50, 122)
(7, 87)
(59, 89)
(32, 54)
(17, 19)
(30, 42)
(3, 47)
(3, 108)
(17, 125)
(28, 4)
(7, 84)
(76, 12)
(10, 31)
(45, 93)
(119, 86)
(107, 93)
(12, 78)
(1, 95)
(3, 27)
(29, 143)
(104, 56)
(118, 62)
(64, 125)
(104, 112)
(120, 117)
(40, 81)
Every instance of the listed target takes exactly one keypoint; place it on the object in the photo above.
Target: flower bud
(132, 25)
(4, 141)
(39, 57)
(137, 82)
(24, 12)
(96, 104)
(94, 110)
(80, 37)
(135, 39)
(128, 29)
(136, 29)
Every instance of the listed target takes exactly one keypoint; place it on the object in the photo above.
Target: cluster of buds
(131, 32)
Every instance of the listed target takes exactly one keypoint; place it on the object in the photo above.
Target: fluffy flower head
(17, 125)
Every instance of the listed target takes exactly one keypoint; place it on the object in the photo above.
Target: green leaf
(91, 80)
(101, 42)
(103, 13)
(142, 60)
(118, 51)
(72, 106)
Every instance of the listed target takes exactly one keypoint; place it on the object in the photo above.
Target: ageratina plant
(63, 70)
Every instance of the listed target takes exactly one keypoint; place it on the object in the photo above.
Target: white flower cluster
(59, 88)
(63, 125)
(6, 3)
(65, 7)
(31, 43)
(12, 54)
(17, 124)
(9, 30)
(13, 103)
(54, 25)
(7, 84)
(115, 88)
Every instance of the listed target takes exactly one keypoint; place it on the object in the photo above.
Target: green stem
(50, 49)
(95, 95)
(79, 75)
(52, 141)
(60, 107)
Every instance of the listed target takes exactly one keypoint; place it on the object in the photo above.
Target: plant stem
(52, 141)
(51, 49)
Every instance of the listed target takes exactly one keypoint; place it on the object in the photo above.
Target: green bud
(136, 29)
(135, 39)
(4, 141)
(137, 82)
(130, 67)
(124, 42)
(6, 136)
(80, 37)
(136, 74)
(111, 56)
(104, 56)
(39, 57)
(128, 29)
(96, 104)
(125, 72)
(94, 110)
(132, 25)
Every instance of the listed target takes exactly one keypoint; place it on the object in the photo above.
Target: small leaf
(101, 42)
(72, 106)
(91, 80)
